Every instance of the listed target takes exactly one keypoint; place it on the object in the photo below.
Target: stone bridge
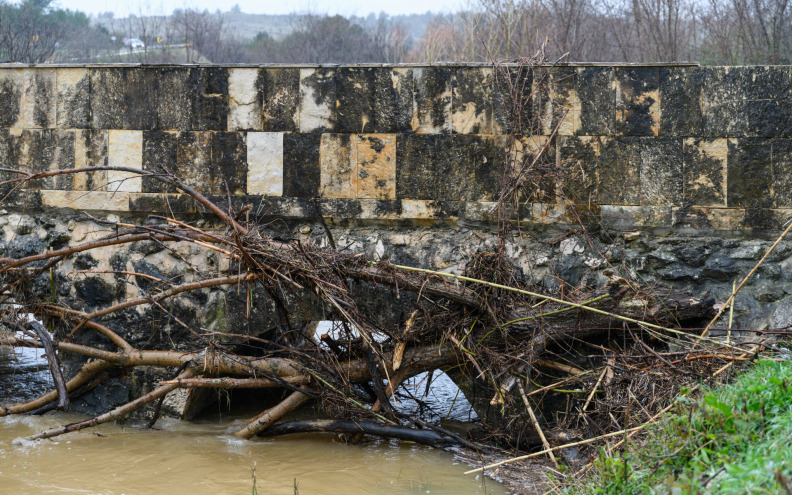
(682, 173)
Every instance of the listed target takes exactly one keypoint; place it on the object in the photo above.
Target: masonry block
(704, 171)
(472, 100)
(706, 218)
(141, 95)
(512, 90)
(10, 97)
(619, 172)
(578, 157)
(375, 176)
(38, 150)
(747, 101)
(338, 164)
(86, 200)
(596, 89)
(124, 149)
(556, 101)
(175, 97)
(279, 93)
(210, 105)
(317, 100)
(355, 100)
(228, 172)
(90, 150)
(622, 217)
(432, 97)
(782, 173)
(536, 156)
(244, 101)
(416, 176)
(38, 107)
(265, 163)
(488, 156)
(106, 89)
(637, 101)
(161, 203)
(301, 168)
(680, 101)
(194, 160)
(749, 173)
(393, 99)
(159, 156)
(73, 105)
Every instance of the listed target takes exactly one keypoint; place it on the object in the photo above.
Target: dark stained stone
(279, 91)
(393, 99)
(489, 159)
(619, 172)
(229, 163)
(472, 100)
(10, 96)
(416, 176)
(637, 107)
(661, 171)
(554, 99)
(454, 169)
(174, 98)
(162, 203)
(432, 95)
(704, 164)
(194, 160)
(61, 143)
(782, 173)
(594, 87)
(94, 142)
(762, 219)
(44, 99)
(579, 157)
(354, 99)
(749, 173)
(107, 98)
(512, 88)
(680, 101)
(74, 103)
(160, 157)
(747, 101)
(210, 106)
(301, 171)
(141, 87)
(319, 92)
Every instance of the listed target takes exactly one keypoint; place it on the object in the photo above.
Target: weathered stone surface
(393, 99)
(596, 89)
(619, 217)
(210, 106)
(228, 171)
(680, 101)
(175, 97)
(338, 165)
(161, 203)
(661, 171)
(265, 163)
(375, 173)
(10, 97)
(124, 149)
(472, 91)
(747, 101)
(704, 218)
(86, 200)
(579, 157)
(705, 171)
(279, 93)
(556, 101)
(159, 155)
(355, 101)
(244, 100)
(432, 100)
(90, 150)
(317, 100)
(415, 170)
(749, 173)
(194, 160)
(73, 98)
(301, 169)
(513, 105)
(637, 101)
(107, 98)
(39, 150)
(619, 172)
(782, 173)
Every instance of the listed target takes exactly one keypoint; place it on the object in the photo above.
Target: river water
(204, 457)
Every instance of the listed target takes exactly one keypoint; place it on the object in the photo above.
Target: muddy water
(204, 458)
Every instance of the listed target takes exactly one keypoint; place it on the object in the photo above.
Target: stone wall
(669, 146)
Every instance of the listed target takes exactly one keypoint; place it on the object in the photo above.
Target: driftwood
(423, 437)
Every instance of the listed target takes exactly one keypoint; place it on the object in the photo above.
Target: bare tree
(28, 33)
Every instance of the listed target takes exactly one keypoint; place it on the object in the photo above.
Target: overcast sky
(344, 7)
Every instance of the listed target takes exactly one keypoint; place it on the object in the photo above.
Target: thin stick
(594, 389)
(538, 428)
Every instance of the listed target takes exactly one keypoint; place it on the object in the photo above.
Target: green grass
(736, 439)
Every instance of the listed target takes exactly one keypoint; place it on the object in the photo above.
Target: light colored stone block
(86, 200)
(265, 163)
(338, 165)
(419, 209)
(375, 176)
(316, 112)
(243, 102)
(124, 149)
(37, 105)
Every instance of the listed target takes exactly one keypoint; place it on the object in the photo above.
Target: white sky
(122, 8)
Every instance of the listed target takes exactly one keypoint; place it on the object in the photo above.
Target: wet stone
(619, 171)
(194, 160)
(210, 106)
(279, 93)
(680, 101)
(454, 171)
(747, 101)
(637, 101)
(416, 176)
(73, 103)
(354, 99)
(782, 173)
(432, 93)
(174, 99)
(229, 163)
(595, 89)
(10, 98)
(301, 167)
(749, 173)
(107, 98)
(579, 156)
(90, 150)
(393, 99)
(661, 171)
(487, 153)
(471, 102)
(140, 90)
(556, 100)
(160, 157)
(705, 165)
(317, 100)
(512, 88)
